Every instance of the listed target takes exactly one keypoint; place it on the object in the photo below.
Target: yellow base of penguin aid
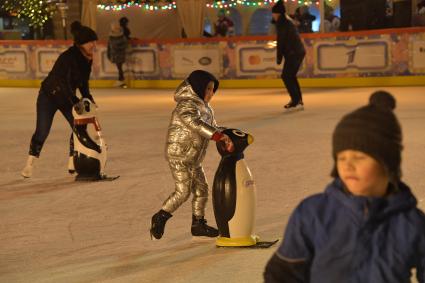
(237, 242)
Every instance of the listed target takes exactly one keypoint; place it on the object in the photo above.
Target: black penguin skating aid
(234, 195)
(89, 155)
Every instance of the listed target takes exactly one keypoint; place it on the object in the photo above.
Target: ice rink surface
(55, 230)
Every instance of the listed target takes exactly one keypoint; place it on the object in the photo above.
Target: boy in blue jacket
(366, 226)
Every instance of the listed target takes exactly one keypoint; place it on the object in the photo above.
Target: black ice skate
(200, 228)
(158, 224)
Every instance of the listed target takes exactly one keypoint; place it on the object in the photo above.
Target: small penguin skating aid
(234, 195)
(90, 151)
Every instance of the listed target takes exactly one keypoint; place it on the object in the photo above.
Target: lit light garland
(222, 4)
(146, 5)
(217, 4)
(36, 11)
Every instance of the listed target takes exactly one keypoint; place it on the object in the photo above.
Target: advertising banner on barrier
(390, 54)
(256, 59)
(14, 62)
(107, 70)
(144, 62)
(417, 58)
(140, 62)
(194, 57)
(46, 58)
(352, 56)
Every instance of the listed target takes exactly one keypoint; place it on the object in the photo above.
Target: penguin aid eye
(238, 133)
(78, 109)
(87, 106)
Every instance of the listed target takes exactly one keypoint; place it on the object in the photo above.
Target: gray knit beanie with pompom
(374, 130)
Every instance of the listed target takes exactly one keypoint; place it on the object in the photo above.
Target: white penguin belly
(243, 221)
(80, 148)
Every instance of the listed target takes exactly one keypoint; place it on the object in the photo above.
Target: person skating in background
(116, 51)
(224, 25)
(124, 25)
(366, 226)
(290, 47)
(58, 90)
(191, 127)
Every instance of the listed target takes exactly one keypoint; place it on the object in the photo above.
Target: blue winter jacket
(335, 237)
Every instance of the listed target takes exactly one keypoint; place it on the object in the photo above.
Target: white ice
(55, 230)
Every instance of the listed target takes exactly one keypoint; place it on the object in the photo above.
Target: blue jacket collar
(372, 208)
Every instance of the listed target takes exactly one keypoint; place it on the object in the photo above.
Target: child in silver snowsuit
(191, 127)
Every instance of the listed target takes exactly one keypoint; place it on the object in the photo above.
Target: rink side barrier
(257, 83)
(390, 57)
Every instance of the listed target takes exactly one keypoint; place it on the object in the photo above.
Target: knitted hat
(374, 130)
(279, 8)
(82, 34)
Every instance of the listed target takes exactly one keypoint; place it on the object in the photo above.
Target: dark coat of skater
(290, 47)
(70, 72)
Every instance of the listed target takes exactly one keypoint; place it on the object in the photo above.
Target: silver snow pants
(188, 179)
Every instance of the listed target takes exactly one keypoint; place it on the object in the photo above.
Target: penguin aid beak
(250, 139)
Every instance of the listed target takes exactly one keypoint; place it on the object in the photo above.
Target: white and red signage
(14, 61)
(352, 56)
(196, 57)
(417, 60)
(46, 58)
(256, 59)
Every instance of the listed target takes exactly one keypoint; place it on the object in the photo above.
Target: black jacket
(70, 71)
(117, 46)
(288, 39)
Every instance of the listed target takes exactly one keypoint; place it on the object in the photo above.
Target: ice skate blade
(102, 178)
(293, 109)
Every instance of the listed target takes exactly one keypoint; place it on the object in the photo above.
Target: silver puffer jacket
(191, 127)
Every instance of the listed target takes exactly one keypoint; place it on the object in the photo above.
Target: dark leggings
(289, 76)
(120, 71)
(46, 110)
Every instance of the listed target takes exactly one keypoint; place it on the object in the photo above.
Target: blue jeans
(46, 110)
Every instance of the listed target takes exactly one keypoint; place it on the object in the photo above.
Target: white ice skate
(291, 107)
(120, 84)
(27, 171)
(71, 167)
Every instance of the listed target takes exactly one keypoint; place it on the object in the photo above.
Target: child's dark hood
(199, 80)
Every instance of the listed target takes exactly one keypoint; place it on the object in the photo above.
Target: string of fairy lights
(39, 11)
(162, 5)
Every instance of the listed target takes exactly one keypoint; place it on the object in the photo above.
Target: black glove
(74, 99)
